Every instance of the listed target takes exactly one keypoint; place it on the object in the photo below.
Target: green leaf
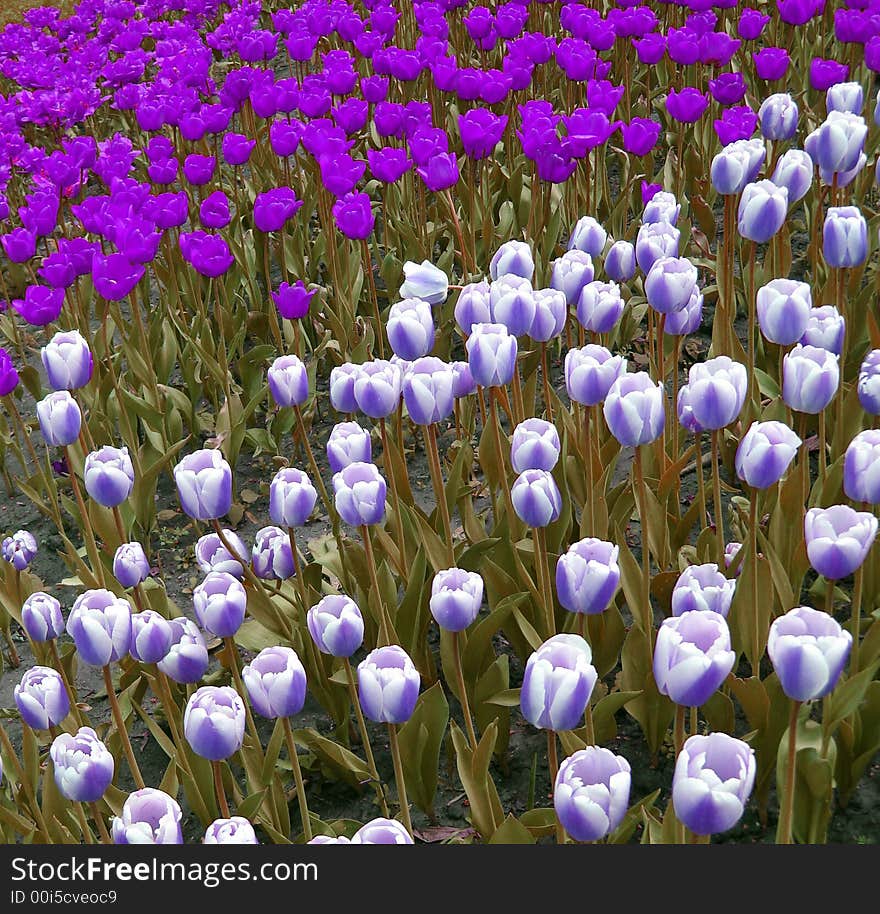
(421, 739)
(512, 831)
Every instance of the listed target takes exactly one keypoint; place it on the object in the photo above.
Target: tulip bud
(425, 281)
(380, 831)
(570, 273)
(336, 625)
(472, 306)
(41, 617)
(60, 419)
(292, 496)
(456, 597)
(513, 304)
(492, 354)
(41, 698)
(762, 209)
(794, 172)
(826, 329)
(783, 307)
(19, 549)
(692, 656)
(551, 311)
(342, 380)
(536, 498)
(513, 257)
(557, 683)
(809, 650)
(410, 328)
(702, 587)
(187, 658)
(67, 360)
(83, 765)
(213, 722)
(234, 830)
(589, 373)
(656, 240)
(427, 391)
(108, 474)
(778, 117)
(377, 388)
(635, 409)
(220, 602)
(591, 793)
(288, 381)
(347, 443)
(100, 625)
(130, 564)
(587, 576)
(600, 306)
(765, 453)
(620, 262)
(662, 208)
(810, 377)
(838, 539)
(845, 97)
(272, 556)
(670, 283)
(713, 779)
(844, 237)
(212, 555)
(535, 446)
(588, 236)
(149, 816)
(718, 390)
(359, 491)
(388, 685)
(276, 682)
(204, 484)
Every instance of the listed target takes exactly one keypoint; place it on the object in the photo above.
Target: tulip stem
(752, 310)
(542, 568)
(398, 777)
(232, 652)
(822, 448)
(430, 433)
(553, 763)
(403, 559)
(120, 527)
(298, 779)
(25, 783)
(588, 723)
(647, 614)
(855, 625)
(56, 662)
(701, 480)
(367, 264)
(588, 461)
(88, 837)
(89, 533)
(545, 380)
(502, 469)
(783, 832)
(99, 821)
(463, 697)
(121, 729)
(365, 736)
(384, 622)
(222, 805)
(678, 742)
(753, 542)
(716, 495)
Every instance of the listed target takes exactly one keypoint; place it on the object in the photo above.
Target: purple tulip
(67, 360)
(783, 307)
(377, 388)
(713, 780)
(587, 576)
(204, 484)
(41, 698)
(288, 381)
(115, 276)
(702, 588)
(591, 793)
(778, 116)
(8, 375)
(513, 304)
(381, 831)
(100, 625)
(809, 650)
(661, 209)
(687, 105)
(571, 273)
(718, 390)
(388, 685)
(83, 765)
(771, 63)
(551, 311)
(212, 555)
(149, 816)
(810, 377)
(590, 372)
(794, 172)
(826, 329)
(869, 383)
(535, 446)
(151, 636)
(336, 625)
(536, 498)
(765, 453)
(187, 658)
(276, 682)
(272, 556)
(600, 306)
(292, 301)
(838, 539)
(108, 474)
(492, 353)
(353, 216)
(620, 261)
(213, 722)
(557, 683)
(456, 597)
(635, 409)
(844, 237)
(836, 144)
(670, 283)
(762, 209)
(292, 497)
(410, 328)
(41, 617)
(220, 602)
(513, 258)
(427, 390)
(359, 491)
(472, 306)
(19, 549)
(60, 419)
(588, 236)
(736, 166)
(656, 240)
(234, 830)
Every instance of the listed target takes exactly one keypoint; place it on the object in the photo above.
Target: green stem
(398, 777)
(298, 778)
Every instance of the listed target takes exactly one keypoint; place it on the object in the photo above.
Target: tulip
(492, 354)
(838, 539)
(571, 273)
(600, 306)
(83, 765)
(276, 682)
(187, 658)
(427, 390)
(410, 328)
(590, 372)
(336, 625)
(381, 831)
(591, 793)
(425, 281)
(151, 636)
(67, 360)
(456, 597)
(288, 381)
(656, 240)
(794, 172)
(342, 381)
(826, 329)
(557, 683)
(587, 576)
(100, 625)
(620, 261)
(41, 698)
(692, 656)
(765, 453)
(718, 390)
(234, 830)
(472, 306)
(212, 555)
(778, 116)
(292, 496)
(292, 301)
(845, 97)
(713, 779)
(736, 166)
(273, 556)
(869, 383)
(836, 144)
(213, 722)
(551, 311)
(514, 257)
(783, 307)
(377, 388)
(204, 484)
(8, 375)
(60, 419)
(535, 446)
(19, 549)
(634, 409)
(149, 816)
(220, 602)
(762, 209)
(347, 443)
(130, 565)
(513, 303)
(108, 474)
(41, 617)
(388, 685)
(810, 378)
(662, 209)
(536, 498)
(360, 494)
(844, 237)
(588, 236)
(702, 588)
(808, 649)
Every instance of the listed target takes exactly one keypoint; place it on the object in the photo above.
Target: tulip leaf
(512, 831)
(421, 739)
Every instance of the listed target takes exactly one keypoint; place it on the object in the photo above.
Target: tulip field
(433, 421)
